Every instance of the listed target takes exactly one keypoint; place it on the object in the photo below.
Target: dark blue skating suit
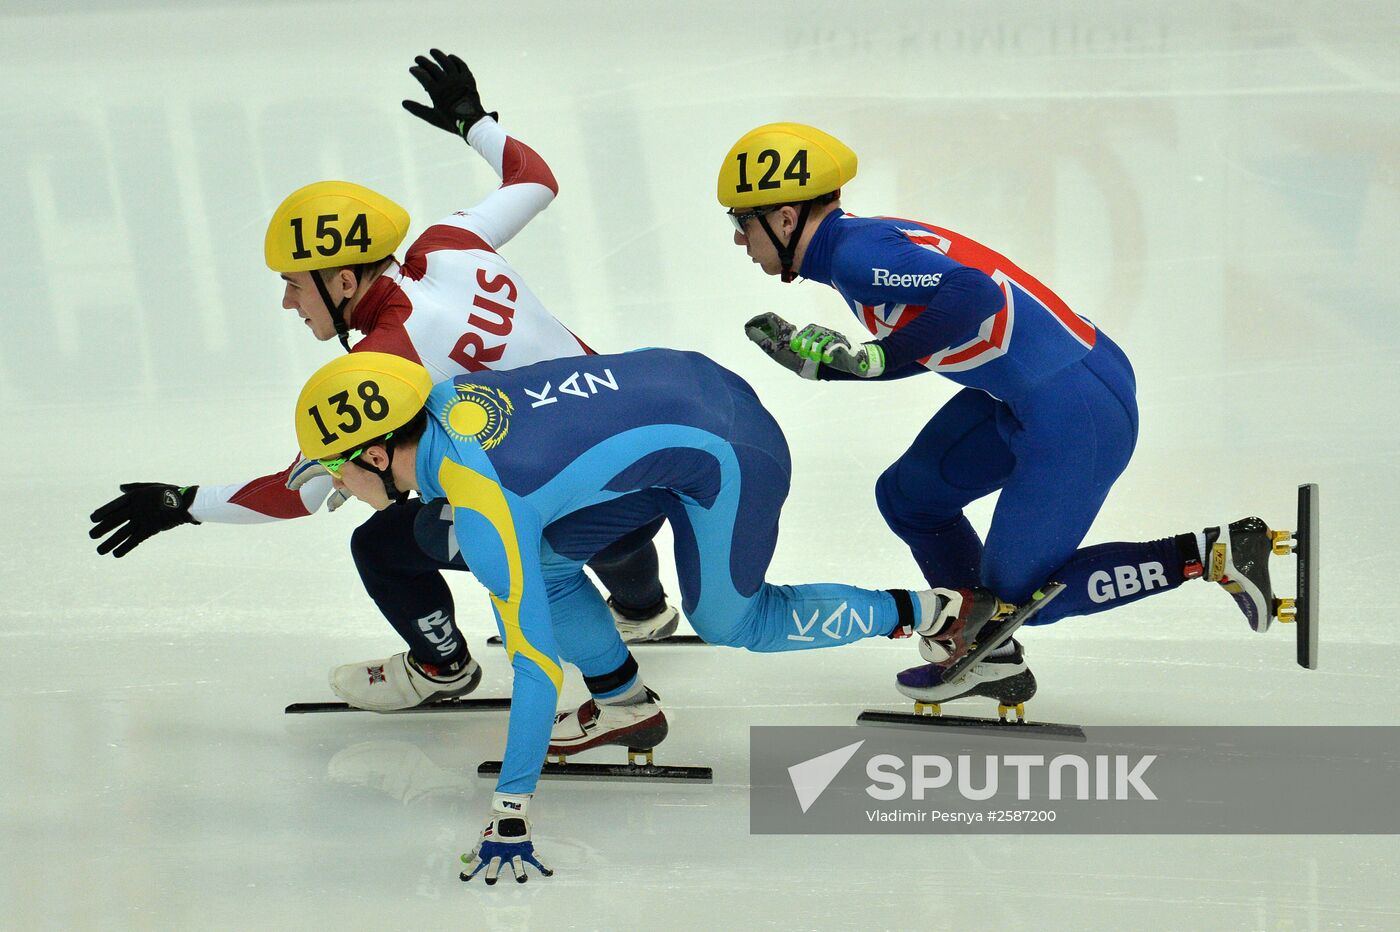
(1048, 415)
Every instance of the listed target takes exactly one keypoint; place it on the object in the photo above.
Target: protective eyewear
(333, 466)
(741, 217)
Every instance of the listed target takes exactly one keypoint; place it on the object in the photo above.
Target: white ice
(1214, 183)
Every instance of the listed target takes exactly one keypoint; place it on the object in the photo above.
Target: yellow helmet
(356, 399)
(779, 163)
(330, 224)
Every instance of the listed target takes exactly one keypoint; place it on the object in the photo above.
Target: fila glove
(505, 839)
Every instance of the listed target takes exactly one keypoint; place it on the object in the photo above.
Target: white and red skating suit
(454, 305)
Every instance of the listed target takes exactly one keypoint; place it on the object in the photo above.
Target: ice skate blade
(462, 704)
(1306, 604)
(648, 773)
(1000, 727)
(671, 640)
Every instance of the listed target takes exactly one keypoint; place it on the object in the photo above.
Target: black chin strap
(786, 253)
(386, 475)
(337, 311)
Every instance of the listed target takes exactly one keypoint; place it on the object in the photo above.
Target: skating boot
(400, 682)
(1237, 557)
(953, 619)
(1006, 679)
(651, 624)
(639, 727)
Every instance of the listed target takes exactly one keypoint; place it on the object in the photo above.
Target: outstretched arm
(500, 542)
(267, 498)
(145, 509)
(501, 539)
(527, 184)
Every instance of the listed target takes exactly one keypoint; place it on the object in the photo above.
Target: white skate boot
(952, 620)
(400, 682)
(641, 725)
(634, 626)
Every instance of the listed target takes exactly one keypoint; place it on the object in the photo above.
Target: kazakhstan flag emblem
(478, 413)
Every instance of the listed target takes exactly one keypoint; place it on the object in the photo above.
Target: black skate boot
(1237, 558)
(1008, 680)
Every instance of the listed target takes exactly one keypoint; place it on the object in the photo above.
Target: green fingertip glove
(826, 347)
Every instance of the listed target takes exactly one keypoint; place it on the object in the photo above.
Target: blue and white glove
(826, 347)
(504, 840)
(304, 471)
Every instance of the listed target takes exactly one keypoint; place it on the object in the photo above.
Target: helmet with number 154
(331, 224)
(783, 163)
(355, 401)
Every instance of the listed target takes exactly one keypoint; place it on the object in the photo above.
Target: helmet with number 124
(783, 163)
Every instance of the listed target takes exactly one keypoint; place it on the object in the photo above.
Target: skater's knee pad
(433, 530)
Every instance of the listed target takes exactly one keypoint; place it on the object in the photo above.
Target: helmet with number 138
(330, 240)
(352, 414)
(777, 181)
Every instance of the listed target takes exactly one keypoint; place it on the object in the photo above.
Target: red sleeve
(269, 495)
(520, 165)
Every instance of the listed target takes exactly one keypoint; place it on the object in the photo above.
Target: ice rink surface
(1215, 184)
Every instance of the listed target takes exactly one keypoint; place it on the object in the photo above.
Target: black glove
(141, 511)
(452, 89)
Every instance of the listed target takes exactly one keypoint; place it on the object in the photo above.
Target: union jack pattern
(988, 332)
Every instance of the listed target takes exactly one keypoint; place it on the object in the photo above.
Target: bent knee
(887, 496)
(722, 629)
